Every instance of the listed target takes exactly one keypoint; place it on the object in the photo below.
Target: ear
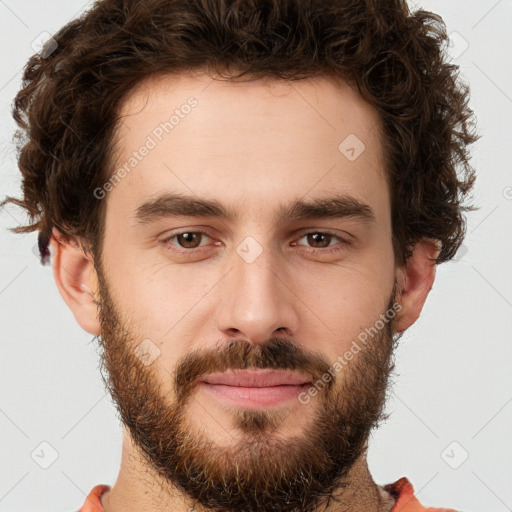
(76, 279)
(415, 280)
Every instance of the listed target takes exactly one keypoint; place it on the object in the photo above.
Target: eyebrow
(173, 205)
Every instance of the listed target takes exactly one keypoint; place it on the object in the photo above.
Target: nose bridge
(255, 262)
(255, 298)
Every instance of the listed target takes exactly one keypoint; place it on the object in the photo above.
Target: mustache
(275, 353)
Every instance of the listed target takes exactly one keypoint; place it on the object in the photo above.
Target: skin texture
(253, 146)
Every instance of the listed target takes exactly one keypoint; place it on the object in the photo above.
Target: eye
(186, 240)
(322, 240)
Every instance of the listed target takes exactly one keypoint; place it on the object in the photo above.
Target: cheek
(164, 300)
(342, 302)
(156, 298)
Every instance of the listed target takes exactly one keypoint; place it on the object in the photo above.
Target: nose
(257, 301)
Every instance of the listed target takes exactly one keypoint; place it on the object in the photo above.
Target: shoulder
(93, 501)
(403, 492)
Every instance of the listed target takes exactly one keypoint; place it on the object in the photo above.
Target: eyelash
(342, 242)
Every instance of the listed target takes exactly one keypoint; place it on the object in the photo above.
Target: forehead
(261, 141)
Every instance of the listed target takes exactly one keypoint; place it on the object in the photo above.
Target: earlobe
(415, 281)
(76, 280)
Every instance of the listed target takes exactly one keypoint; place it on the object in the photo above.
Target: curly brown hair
(68, 106)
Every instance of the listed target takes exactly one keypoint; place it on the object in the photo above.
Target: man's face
(258, 291)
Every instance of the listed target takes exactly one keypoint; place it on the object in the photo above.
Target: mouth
(255, 389)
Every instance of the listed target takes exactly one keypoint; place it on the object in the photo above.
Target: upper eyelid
(328, 231)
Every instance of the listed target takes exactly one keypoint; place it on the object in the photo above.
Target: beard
(260, 470)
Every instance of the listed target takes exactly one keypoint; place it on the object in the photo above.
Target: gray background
(453, 393)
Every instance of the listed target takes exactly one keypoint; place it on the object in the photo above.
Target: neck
(138, 488)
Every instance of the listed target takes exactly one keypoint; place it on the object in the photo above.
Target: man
(246, 202)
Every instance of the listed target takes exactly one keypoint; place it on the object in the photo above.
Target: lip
(255, 389)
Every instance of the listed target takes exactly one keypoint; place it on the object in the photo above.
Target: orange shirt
(401, 490)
